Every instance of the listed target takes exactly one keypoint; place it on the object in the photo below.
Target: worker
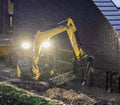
(90, 69)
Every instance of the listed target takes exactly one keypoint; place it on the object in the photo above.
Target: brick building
(6, 15)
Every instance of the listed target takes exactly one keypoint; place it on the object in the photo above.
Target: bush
(11, 95)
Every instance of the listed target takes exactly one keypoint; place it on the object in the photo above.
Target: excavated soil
(69, 94)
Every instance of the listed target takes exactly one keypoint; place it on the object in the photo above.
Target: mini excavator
(53, 56)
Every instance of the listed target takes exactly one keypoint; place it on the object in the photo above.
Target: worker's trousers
(89, 74)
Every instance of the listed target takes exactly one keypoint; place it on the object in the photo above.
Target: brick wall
(4, 16)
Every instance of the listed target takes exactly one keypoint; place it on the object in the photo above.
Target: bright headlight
(45, 44)
(26, 45)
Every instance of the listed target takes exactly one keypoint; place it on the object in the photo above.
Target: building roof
(110, 11)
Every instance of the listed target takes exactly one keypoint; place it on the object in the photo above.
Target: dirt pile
(70, 97)
(86, 96)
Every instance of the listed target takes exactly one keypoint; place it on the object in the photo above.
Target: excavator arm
(43, 37)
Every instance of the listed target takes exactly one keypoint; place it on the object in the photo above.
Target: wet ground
(74, 94)
(71, 93)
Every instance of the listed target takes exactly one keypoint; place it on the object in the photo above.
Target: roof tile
(110, 11)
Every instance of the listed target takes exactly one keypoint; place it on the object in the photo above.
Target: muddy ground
(82, 96)
(72, 93)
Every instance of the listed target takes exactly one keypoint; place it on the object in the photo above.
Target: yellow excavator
(53, 56)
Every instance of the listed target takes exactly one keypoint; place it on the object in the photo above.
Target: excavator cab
(53, 56)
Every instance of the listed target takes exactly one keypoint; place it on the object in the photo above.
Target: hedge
(11, 95)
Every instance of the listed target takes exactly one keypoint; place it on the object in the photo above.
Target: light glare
(25, 45)
(46, 44)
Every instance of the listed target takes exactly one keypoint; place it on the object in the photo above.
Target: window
(117, 3)
(11, 21)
